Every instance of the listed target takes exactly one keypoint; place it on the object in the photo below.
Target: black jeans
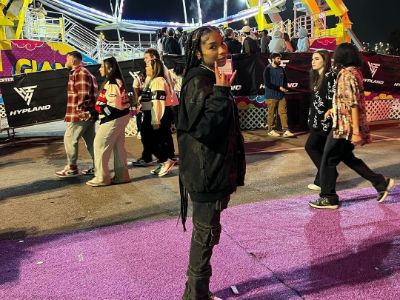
(315, 149)
(139, 118)
(146, 132)
(168, 119)
(341, 150)
(157, 142)
(205, 235)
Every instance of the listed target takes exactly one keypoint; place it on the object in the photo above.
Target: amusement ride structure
(18, 20)
(36, 37)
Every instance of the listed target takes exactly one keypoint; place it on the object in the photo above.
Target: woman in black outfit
(211, 150)
(323, 86)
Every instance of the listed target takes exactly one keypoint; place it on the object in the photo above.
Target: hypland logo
(397, 84)
(381, 82)
(290, 85)
(373, 67)
(26, 93)
(236, 87)
(284, 62)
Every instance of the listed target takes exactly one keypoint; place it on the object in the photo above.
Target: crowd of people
(247, 40)
(198, 100)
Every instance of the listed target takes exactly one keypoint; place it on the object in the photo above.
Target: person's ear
(198, 54)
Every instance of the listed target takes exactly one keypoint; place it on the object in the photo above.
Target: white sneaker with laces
(288, 133)
(273, 133)
(166, 167)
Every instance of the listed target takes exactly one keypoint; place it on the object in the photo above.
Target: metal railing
(306, 21)
(42, 28)
(65, 29)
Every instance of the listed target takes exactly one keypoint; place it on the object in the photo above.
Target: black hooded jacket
(211, 147)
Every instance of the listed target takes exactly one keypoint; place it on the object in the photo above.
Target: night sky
(371, 22)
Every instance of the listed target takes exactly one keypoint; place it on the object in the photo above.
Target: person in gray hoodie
(303, 44)
(277, 43)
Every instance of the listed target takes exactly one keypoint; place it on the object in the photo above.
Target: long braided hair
(193, 46)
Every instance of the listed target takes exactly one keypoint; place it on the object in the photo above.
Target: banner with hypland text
(28, 56)
(42, 96)
(381, 72)
(35, 98)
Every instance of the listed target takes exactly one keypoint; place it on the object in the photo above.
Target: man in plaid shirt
(80, 115)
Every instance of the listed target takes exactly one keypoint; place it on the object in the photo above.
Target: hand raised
(221, 79)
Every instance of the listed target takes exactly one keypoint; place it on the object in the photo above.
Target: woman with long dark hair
(349, 128)
(211, 150)
(113, 108)
(157, 117)
(322, 87)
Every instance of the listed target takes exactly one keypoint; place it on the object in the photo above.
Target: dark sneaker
(88, 172)
(324, 202)
(382, 195)
(140, 163)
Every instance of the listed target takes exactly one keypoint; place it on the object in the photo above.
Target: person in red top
(80, 115)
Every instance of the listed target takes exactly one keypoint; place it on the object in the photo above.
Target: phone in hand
(227, 68)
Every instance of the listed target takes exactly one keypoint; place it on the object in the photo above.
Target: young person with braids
(113, 108)
(211, 150)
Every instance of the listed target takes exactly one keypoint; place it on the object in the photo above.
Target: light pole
(199, 13)
(184, 10)
(225, 8)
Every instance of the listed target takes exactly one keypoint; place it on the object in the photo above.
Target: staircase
(306, 21)
(67, 30)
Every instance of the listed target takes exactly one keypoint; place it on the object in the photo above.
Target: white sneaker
(287, 133)
(166, 167)
(313, 187)
(273, 133)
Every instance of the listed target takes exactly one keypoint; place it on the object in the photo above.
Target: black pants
(157, 142)
(139, 117)
(315, 149)
(146, 132)
(335, 151)
(205, 235)
(168, 120)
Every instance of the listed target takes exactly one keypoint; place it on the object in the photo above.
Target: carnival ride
(18, 21)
